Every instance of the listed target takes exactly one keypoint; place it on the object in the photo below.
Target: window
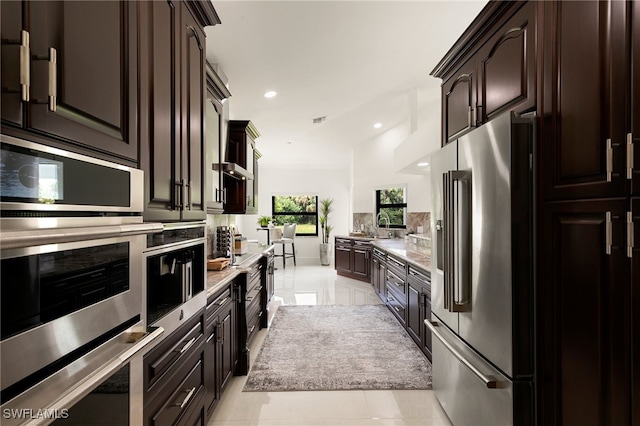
(391, 203)
(299, 209)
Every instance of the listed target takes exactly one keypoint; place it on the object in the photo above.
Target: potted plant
(263, 221)
(325, 247)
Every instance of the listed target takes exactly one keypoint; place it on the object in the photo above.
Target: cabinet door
(160, 114)
(414, 317)
(84, 74)
(382, 281)
(15, 63)
(361, 261)
(343, 259)
(584, 314)
(582, 129)
(211, 361)
(459, 101)
(193, 77)
(506, 67)
(634, 134)
(426, 332)
(227, 348)
(214, 178)
(635, 311)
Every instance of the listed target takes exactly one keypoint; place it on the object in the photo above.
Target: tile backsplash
(364, 222)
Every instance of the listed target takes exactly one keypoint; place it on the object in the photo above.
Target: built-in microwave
(43, 182)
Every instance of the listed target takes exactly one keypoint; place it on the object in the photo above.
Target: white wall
(325, 183)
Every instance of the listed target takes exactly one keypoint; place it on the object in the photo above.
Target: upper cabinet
(490, 70)
(242, 193)
(69, 75)
(215, 113)
(590, 112)
(172, 124)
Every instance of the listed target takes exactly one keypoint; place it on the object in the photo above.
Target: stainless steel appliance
(175, 262)
(69, 187)
(482, 274)
(71, 240)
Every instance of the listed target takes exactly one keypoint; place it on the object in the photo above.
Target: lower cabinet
(174, 377)
(353, 258)
(419, 308)
(250, 313)
(220, 348)
(406, 291)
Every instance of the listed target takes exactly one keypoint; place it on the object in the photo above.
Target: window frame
(274, 214)
(380, 205)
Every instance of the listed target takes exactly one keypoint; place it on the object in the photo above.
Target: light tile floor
(318, 285)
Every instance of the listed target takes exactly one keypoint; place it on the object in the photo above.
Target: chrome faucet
(385, 217)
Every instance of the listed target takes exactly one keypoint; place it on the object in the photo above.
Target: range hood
(234, 170)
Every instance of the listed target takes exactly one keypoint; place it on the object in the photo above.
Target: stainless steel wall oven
(72, 283)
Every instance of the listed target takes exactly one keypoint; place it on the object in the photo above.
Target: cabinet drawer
(253, 325)
(189, 391)
(397, 307)
(396, 283)
(253, 274)
(421, 277)
(253, 294)
(380, 255)
(343, 242)
(216, 302)
(362, 244)
(172, 352)
(398, 265)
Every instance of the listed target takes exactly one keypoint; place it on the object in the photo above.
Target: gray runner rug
(337, 347)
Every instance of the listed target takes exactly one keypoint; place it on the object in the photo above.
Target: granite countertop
(218, 279)
(416, 256)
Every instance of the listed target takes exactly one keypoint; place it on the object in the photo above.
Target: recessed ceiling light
(423, 164)
(270, 94)
(377, 125)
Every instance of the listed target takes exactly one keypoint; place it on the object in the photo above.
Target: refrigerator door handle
(447, 244)
(459, 240)
(489, 381)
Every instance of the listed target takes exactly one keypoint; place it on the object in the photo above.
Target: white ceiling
(354, 62)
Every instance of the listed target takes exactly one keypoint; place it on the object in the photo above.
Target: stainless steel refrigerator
(482, 274)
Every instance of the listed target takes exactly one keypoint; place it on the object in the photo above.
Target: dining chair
(288, 237)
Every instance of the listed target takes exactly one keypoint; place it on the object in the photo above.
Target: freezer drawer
(469, 389)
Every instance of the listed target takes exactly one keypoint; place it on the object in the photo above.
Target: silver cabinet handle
(629, 156)
(25, 65)
(186, 399)
(608, 233)
(53, 84)
(630, 241)
(187, 345)
(610, 146)
(188, 189)
(489, 381)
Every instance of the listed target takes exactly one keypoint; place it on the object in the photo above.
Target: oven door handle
(86, 386)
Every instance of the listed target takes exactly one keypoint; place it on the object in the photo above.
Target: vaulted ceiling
(353, 62)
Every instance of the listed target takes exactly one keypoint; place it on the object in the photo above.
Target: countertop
(418, 257)
(218, 279)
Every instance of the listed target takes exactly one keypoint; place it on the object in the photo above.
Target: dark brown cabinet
(378, 272)
(242, 193)
(220, 348)
(585, 297)
(634, 234)
(174, 376)
(585, 99)
(70, 75)
(343, 256)
(353, 258)
(173, 75)
(419, 307)
(459, 93)
(217, 92)
(498, 75)
(251, 310)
